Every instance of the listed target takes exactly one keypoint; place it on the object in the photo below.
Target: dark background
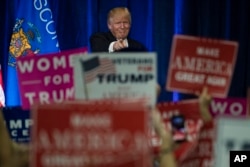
(154, 22)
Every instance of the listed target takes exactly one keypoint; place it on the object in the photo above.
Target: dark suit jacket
(99, 42)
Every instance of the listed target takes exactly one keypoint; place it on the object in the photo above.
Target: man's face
(119, 25)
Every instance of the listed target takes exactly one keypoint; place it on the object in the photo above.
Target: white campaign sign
(116, 75)
(232, 134)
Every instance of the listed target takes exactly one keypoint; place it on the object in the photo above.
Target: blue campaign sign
(18, 123)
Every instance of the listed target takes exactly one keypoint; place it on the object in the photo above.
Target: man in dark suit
(116, 39)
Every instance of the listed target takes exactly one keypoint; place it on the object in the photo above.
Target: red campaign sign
(90, 133)
(47, 78)
(196, 148)
(184, 120)
(201, 154)
(197, 62)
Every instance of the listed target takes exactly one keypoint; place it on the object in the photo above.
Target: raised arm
(204, 102)
(166, 155)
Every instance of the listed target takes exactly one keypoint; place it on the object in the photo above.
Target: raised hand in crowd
(166, 156)
(167, 147)
(204, 102)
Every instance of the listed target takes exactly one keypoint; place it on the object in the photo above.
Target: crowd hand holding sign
(166, 156)
(204, 101)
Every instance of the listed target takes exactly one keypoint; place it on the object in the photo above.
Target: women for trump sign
(197, 62)
(47, 78)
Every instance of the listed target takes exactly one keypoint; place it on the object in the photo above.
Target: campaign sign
(235, 107)
(193, 137)
(46, 78)
(232, 134)
(197, 62)
(116, 75)
(88, 133)
(18, 123)
(197, 148)
(183, 119)
(201, 154)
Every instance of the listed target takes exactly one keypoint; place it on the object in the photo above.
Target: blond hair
(119, 10)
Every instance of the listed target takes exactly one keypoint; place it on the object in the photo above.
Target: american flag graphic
(95, 66)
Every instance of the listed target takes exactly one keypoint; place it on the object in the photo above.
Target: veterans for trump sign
(196, 62)
(121, 75)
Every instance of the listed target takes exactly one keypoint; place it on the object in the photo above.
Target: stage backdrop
(153, 23)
